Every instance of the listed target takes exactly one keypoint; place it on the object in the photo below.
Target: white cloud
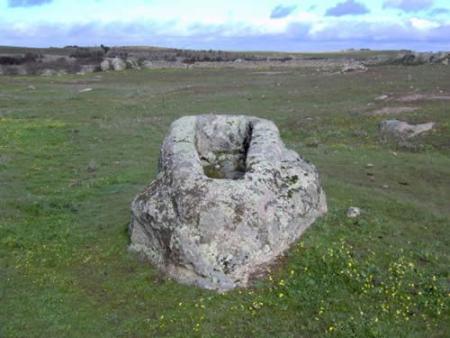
(423, 24)
(409, 5)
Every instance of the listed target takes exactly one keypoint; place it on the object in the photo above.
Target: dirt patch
(392, 111)
(422, 97)
(270, 73)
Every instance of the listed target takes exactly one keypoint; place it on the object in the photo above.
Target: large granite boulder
(228, 199)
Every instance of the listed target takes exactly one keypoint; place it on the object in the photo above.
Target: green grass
(70, 164)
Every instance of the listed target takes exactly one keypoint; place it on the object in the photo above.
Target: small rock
(92, 166)
(385, 186)
(353, 212)
(381, 97)
(85, 90)
(31, 87)
(369, 165)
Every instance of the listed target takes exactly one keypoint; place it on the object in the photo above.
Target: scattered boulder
(85, 90)
(132, 63)
(353, 212)
(354, 67)
(228, 199)
(118, 64)
(402, 130)
(440, 57)
(105, 65)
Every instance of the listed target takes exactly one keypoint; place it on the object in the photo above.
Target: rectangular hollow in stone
(222, 146)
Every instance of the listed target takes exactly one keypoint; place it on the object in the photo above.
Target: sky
(301, 25)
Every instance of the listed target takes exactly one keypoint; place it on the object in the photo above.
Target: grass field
(71, 162)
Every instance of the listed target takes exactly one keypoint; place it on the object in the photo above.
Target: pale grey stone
(354, 67)
(403, 130)
(105, 65)
(132, 63)
(118, 64)
(228, 199)
(353, 212)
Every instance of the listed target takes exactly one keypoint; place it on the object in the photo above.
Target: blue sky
(302, 25)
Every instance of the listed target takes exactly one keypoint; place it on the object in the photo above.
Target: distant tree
(105, 49)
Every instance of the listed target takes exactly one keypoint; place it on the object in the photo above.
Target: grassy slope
(64, 267)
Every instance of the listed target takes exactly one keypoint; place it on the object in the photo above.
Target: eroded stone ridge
(228, 199)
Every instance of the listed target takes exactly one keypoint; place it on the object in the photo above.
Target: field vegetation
(72, 160)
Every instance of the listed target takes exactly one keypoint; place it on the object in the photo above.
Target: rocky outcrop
(228, 199)
(420, 58)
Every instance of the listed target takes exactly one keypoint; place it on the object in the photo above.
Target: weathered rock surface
(118, 64)
(418, 58)
(403, 130)
(132, 63)
(228, 199)
(105, 65)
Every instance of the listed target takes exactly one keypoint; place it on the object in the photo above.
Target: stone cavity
(228, 199)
